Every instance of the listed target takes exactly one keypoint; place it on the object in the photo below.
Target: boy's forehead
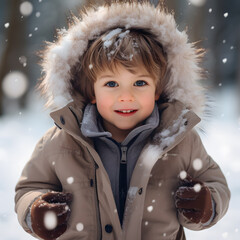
(118, 69)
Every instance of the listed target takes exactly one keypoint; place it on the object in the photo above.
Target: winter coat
(65, 160)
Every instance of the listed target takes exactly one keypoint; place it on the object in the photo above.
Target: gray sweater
(119, 159)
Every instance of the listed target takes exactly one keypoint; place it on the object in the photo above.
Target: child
(123, 161)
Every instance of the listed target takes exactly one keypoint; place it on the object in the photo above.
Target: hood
(183, 60)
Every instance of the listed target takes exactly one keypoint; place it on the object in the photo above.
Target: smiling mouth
(126, 112)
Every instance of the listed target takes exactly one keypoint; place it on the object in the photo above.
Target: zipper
(124, 155)
(122, 182)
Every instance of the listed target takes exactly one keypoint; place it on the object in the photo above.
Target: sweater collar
(92, 127)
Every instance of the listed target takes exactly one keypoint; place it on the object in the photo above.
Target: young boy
(123, 161)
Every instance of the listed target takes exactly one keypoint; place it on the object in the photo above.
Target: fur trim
(183, 59)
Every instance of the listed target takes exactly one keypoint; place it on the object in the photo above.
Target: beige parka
(64, 160)
(150, 213)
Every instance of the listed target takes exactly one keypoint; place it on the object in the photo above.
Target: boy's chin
(128, 128)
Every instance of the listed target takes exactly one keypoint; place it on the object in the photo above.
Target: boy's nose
(126, 97)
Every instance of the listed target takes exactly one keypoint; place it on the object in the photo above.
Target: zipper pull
(124, 155)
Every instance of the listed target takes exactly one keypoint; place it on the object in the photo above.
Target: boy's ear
(93, 101)
(157, 96)
(158, 93)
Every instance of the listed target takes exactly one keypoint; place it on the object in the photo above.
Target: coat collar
(175, 121)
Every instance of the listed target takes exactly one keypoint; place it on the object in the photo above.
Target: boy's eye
(111, 84)
(140, 83)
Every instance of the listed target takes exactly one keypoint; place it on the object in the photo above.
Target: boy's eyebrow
(144, 75)
(111, 76)
(106, 76)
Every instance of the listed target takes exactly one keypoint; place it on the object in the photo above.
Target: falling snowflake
(197, 3)
(79, 227)
(150, 208)
(225, 235)
(212, 27)
(15, 84)
(220, 84)
(26, 8)
(90, 66)
(50, 220)
(224, 60)
(183, 174)
(6, 25)
(225, 14)
(67, 208)
(210, 10)
(38, 14)
(197, 164)
(23, 61)
(70, 180)
(197, 187)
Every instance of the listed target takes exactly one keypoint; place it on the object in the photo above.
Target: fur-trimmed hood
(183, 60)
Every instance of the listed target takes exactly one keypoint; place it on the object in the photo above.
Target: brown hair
(130, 48)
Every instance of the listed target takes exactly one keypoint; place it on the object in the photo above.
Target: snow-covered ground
(20, 132)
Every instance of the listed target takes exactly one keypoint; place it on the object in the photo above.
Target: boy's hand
(50, 213)
(194, 201)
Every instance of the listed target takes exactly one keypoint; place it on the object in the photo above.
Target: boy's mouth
(127, 112)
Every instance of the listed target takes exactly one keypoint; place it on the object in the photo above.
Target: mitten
(50, 213)
(193, 200)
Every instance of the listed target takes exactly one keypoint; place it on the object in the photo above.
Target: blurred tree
(172, 5)
(14, 46)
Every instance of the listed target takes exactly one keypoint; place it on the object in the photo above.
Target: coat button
(186, 123)
(165, 148)
(91, 182)
(140, 191)
(62, 120)
(108, 228)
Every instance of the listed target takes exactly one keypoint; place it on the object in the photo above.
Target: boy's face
(124, 99)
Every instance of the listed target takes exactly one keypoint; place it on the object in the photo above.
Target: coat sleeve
(211, 175)
(37, 177)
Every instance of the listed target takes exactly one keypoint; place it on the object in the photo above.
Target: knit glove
(50, 213)
(193, 200)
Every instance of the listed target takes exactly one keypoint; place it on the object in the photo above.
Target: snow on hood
(60, 56)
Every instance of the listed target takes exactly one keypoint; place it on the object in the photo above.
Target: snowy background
(23, 119)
